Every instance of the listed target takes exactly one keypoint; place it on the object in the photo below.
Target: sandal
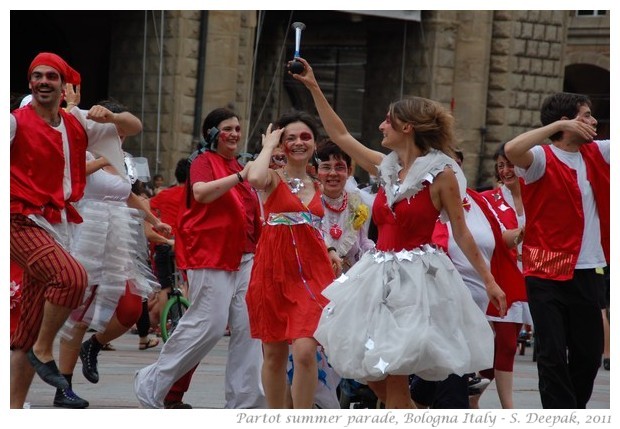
(150, 343)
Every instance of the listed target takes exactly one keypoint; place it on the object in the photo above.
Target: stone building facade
(492, 68)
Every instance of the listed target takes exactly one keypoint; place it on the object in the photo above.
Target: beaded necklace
(343, 206)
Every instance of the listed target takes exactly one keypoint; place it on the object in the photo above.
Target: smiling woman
(292, 264)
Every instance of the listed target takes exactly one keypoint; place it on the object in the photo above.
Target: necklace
(336, 230)
(296, 184)
(343, 205)
(54, 122)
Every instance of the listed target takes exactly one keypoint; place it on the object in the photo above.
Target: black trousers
(450, 393)
(568, 332)
(164, 265)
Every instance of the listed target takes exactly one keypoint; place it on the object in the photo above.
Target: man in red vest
(48, 159)
(566, 201)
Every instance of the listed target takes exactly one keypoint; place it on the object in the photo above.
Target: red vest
(213, 235)
(37, 166)
(495, 197)
(503, 264)
(555, 218)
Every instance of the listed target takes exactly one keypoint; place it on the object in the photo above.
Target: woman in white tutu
(404, 309)
(111, 245)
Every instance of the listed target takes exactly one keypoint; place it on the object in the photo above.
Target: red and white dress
(404, 309)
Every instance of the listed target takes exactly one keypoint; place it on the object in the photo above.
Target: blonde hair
(433, 124)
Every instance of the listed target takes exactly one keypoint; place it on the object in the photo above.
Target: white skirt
(403, 313)
(111, 245)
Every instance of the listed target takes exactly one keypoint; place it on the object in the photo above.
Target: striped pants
(50, 274)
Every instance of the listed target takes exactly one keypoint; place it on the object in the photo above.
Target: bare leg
(274, 373)
(503, 381)
(22, 374)
(380, 389)
(397, 390)
(70, 349)
(112, 331)
(305, 377)
(54, 316)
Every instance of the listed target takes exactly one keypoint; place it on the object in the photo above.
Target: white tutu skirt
(111, 245)
(403, 313)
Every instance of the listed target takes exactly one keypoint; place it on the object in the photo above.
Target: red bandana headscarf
(68, 74)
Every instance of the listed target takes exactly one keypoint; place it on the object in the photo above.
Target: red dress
(291, 268)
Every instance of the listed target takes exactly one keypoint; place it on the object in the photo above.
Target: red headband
(67, 74)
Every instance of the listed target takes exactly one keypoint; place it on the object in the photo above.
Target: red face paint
(303, 136)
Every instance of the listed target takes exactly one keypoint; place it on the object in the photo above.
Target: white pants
(216, 298)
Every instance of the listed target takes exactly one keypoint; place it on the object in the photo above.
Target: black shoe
(48, 371)
(88, 355)
(606, 364)
(66, 398)
(177, 405)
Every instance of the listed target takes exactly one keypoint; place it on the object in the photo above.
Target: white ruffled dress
(403, 309)
(111, 245)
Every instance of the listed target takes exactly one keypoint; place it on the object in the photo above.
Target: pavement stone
(116, 370)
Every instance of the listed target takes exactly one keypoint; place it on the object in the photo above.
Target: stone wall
(160, 86)
(493, 68)
(527, 64)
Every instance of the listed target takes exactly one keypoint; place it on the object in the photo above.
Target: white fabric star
(370, 344)
(404, 254)
(381, 365)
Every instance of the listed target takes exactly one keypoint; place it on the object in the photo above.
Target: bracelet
(239, 177)
(331, 249)
(516, 241)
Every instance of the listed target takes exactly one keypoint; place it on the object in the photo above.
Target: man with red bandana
(48, 149)
(566, 201)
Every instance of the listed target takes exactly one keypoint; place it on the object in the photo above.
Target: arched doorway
(592, 81)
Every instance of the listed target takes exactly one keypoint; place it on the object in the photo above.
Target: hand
(246, 167)
(271, 138)
(497, 297)
(100, 114)
(72, 96)
(336, 263)
(307, 76)
(577, 126)
(163, 228)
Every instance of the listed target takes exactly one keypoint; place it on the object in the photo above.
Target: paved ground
(116, 369)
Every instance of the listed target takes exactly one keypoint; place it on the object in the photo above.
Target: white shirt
(591, 253)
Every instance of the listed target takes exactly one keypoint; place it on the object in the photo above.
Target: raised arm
(260, 175)
(126, 123)
(518, 149)
(450, 198)
(366, 158)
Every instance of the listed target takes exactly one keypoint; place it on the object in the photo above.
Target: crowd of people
(277, 251)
